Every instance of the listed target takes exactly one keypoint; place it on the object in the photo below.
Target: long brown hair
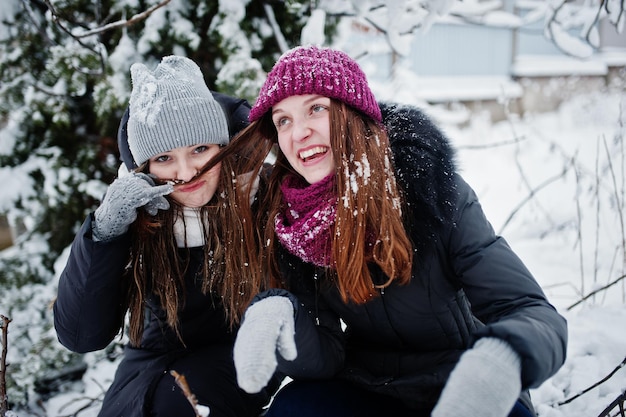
(369, 205)
(157, 266)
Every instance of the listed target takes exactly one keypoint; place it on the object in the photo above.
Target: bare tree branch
(513, 141)
(35, 22)
(618, 402)
(122, 23)
(278, 34)
(591, 294)
(619, 203)
(606, 378)
(531, 195)
(4, 401)
(555, 19)
(90, 402)
(110, 26)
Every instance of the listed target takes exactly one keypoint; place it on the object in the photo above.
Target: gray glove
(485, 382)
(125, 195)
(268, 327)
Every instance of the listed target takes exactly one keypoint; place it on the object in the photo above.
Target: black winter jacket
(467, 283)
(89, 312)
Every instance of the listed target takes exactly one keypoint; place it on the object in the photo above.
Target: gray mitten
(125, 195)
(268, 328)
(485, 382)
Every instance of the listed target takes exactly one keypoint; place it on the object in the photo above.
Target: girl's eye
(280, 122)
(316, 108)
(200, 149)
(161, 158)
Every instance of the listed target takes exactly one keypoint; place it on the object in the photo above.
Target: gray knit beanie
(170, 108)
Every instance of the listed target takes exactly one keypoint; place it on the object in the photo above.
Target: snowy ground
(569, 233)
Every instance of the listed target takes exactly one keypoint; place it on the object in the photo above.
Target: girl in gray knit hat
(165, 246)
(394, 296)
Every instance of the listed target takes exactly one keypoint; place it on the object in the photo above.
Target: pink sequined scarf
(305, 226)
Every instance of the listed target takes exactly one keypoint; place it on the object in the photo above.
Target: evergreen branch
(78, 37)
(56, 19)
(35, 22)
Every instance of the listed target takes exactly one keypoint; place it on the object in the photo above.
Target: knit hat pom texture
(172, 107)
(316, 70)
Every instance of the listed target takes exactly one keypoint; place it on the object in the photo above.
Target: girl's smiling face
(303, 127)
(182, 165)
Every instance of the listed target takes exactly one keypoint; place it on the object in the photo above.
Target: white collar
(189, 226)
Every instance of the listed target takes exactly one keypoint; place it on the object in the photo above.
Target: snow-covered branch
(573, 27)
(104, 28)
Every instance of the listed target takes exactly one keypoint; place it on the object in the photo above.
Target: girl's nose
(186, 171)
(301, 130)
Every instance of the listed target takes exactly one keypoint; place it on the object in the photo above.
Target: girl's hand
(121, 201)
(267, 329)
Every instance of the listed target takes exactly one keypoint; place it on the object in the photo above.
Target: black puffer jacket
(467, 283)
(89, 312)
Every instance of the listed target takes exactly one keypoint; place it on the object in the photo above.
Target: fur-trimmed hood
(425, 169)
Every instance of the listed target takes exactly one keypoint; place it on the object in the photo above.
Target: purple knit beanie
(316, 70)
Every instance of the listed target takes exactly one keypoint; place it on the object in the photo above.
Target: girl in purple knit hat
(393, 295)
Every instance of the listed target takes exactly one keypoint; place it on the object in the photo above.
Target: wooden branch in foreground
(181, 381)
(4, 403)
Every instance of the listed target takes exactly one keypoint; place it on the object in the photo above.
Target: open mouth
(312, 153)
